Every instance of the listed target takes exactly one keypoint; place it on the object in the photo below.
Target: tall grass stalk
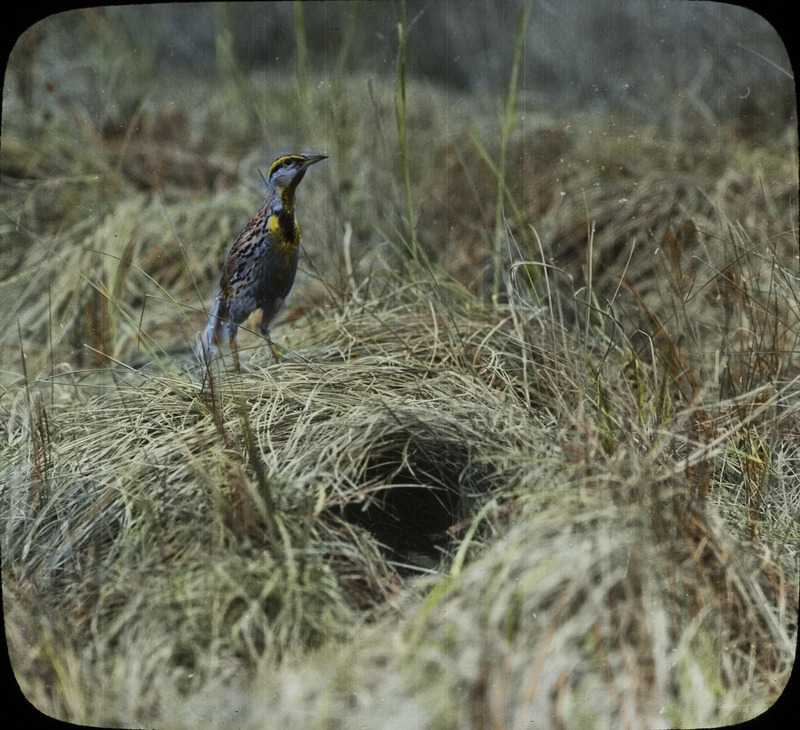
(301, 47)
(227, 68)
(506, 131)
(265, 488)
(346, 47)
(402, 130)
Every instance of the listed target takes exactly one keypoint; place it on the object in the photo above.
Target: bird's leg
(265, 334)
(274, 351)
(264, 329)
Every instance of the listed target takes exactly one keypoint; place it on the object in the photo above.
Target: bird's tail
(210, 338)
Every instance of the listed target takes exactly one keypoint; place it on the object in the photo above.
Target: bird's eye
(283, 163)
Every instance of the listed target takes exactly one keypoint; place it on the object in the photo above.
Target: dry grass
(230, 522)
(579, 502)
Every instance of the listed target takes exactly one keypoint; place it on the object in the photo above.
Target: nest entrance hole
(411, 499)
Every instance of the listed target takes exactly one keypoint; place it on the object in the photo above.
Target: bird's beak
(311, 159)
(301, 171)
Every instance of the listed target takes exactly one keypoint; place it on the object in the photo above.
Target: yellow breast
(284, 232)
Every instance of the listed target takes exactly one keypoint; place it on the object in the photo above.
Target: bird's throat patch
(284, 232)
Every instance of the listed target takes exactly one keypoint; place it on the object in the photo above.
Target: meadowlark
(262, 263)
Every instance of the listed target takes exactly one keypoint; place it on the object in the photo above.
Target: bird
(262, 262)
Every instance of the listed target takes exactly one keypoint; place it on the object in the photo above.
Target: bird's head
(286, 173)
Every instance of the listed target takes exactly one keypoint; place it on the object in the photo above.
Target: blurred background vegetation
(671, 63)
(533, 449)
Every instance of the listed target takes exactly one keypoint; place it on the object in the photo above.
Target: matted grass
(228, 523)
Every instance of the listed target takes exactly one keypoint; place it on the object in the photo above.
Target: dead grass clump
(239, 517)
(132, 534)
(641, 616)
(700, 250)
(158, 149)
(228, 521)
